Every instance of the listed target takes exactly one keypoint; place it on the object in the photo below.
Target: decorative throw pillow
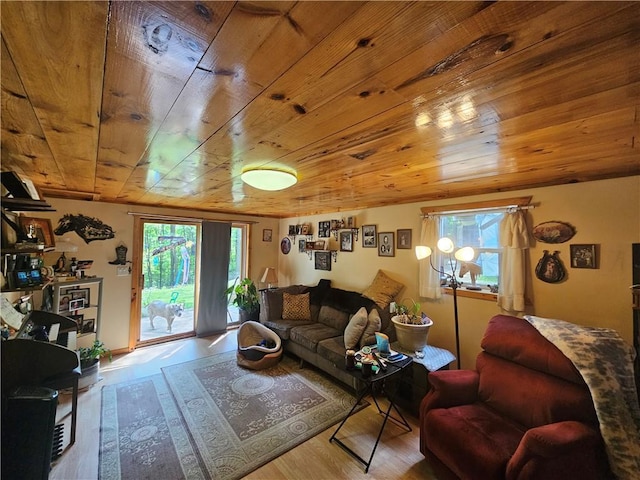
(382, 290)
(295, 307)
(354, 329)
(374, 324)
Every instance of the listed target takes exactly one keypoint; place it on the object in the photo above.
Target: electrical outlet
(392, 307)
(123, 271)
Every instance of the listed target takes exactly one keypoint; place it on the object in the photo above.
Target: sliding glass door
(167, 281)
(169, 263)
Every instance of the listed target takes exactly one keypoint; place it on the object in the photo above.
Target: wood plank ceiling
(371, 103)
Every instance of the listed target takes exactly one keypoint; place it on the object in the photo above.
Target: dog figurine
(168, 311)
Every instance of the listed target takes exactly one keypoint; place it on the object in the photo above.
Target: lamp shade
(268, 178)
(422, 251)
(445, 245)
(269, 276)
(465, 254)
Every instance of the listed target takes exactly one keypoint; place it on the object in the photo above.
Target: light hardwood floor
(397, 456)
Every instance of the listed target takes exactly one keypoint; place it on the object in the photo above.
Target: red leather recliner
(524, 413)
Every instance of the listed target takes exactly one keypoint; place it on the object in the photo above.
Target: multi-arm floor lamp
(464, 254)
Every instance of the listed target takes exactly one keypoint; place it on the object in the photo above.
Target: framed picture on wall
(267, 234)
(404, 238)
(583, 256)
(322, 260)
(346, 241)
(40, 228)
(385, 244)
(324, 229)
(369, 238)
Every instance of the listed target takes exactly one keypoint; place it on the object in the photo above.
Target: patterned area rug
(143, 435)
(212, 419)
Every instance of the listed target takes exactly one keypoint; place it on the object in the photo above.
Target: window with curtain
(498, 235)
(481, 231)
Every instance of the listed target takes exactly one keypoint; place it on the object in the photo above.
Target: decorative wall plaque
(553, 232)
(550, 269)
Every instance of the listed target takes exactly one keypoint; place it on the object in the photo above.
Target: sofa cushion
(355, 329)
(489, 440)
(333, 350)
(383, 289)
(333, 318)
(309, 335)
(295, 307)
(374, 324)
(271, 301)
(283, 327)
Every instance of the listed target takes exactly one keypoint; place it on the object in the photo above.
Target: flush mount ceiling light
(268, 178)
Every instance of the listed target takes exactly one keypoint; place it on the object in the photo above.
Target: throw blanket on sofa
(605, 361)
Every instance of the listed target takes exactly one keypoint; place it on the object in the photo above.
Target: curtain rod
(190, 219)
(506, 208)
(486, 205)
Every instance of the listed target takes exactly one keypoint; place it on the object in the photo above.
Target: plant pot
(246, 315)
(89, 375)
(411, 337)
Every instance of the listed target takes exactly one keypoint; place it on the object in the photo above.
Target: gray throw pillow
(374, 324)
(355, 328)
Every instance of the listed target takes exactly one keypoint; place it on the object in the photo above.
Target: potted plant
(412, 326)
(90, 362)
(245, 297)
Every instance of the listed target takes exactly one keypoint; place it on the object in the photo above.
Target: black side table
(393, 369)
(414, 385)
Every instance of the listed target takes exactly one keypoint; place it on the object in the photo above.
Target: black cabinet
(413, 385)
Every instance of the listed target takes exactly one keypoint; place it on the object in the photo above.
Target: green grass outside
(185, 295)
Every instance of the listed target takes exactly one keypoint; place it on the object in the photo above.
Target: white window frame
(500, 204)
(443, 219)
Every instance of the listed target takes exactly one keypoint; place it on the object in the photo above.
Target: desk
(415, 384)
(393, 370)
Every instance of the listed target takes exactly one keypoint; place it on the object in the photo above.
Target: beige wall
(117, 290)
(605, 212)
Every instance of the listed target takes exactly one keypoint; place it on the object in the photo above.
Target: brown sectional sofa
(319, 340)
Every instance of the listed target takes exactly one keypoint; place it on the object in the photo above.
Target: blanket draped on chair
(605, 361)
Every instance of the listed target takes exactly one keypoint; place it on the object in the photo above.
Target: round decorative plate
(285, 245)
(553, 232)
